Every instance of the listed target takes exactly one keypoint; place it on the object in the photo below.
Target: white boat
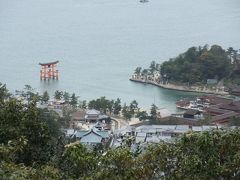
(144, 1)
(185, 105)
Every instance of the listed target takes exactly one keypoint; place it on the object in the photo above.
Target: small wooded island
(199, 69)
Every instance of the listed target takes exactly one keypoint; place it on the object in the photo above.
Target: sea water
(99, 43)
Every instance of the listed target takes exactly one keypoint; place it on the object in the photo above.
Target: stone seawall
(182, 88)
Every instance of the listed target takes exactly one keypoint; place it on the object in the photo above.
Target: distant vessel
(144, 1)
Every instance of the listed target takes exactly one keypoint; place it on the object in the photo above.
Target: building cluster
(221, 110)
(214, 109)
(91, 137)
(54, 105)
(155, 133)
(86, 119)
(91, 127)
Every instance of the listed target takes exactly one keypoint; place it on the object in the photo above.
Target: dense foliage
(32, 147)
(197, 65)
(209, 155)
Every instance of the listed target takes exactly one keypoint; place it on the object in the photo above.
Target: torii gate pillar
(49, 71)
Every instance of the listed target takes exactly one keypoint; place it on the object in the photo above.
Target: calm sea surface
(100, 42)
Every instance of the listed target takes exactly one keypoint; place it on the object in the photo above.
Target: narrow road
(120, 122)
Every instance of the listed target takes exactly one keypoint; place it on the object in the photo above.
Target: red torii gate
(49, 71)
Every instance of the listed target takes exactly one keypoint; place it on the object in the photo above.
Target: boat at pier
(195, 105)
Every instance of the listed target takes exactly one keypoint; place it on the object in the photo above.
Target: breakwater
(198, 89)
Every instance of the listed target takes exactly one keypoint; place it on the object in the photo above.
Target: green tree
(66, 116)
(197, 65)
(45, 97)
(83, 104)
(152, 67)
(101, 104)
(144, 72)
(117, 106)
(127, 114)
(29, 95)
(74, 100)
(138, 70)
(116, 164)
(110, 106)
(208, 155)
(78, 162)
(142, 115)
(153, 113)
(58, 95)
(4, 94)
(66, 97)
(133, 107)
(18, 120)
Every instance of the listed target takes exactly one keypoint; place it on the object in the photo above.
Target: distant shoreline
(180, 88)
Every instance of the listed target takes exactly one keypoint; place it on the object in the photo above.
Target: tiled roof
(216, 110)
(224, 116)
(230, 106)
(220, 100)
(103, 134)
(79, 115)
(93, 112)
(80, 134)
(191, 112)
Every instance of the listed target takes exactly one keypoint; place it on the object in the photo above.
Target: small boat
(195, 105)
(143, 1)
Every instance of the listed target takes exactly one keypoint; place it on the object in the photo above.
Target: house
(57, 106)
(215, 100)
(83, 119)
(77, 117)
(223, 110)
(157, 133)
(212, 81)
(191, 113)
(126, 131)
(224, 118)
(233, 106)
(92, 115)
(141, 137)
(213, 111)
(92, 136)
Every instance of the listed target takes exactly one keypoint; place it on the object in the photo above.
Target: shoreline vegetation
(200, 69)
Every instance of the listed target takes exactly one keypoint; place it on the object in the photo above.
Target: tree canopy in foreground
(32, 147)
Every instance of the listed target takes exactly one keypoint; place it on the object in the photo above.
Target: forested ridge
(198, 64)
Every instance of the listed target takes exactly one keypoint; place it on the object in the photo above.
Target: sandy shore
(182, 88)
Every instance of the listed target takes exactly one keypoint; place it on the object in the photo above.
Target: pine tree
(74, 100)
(45, 97)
